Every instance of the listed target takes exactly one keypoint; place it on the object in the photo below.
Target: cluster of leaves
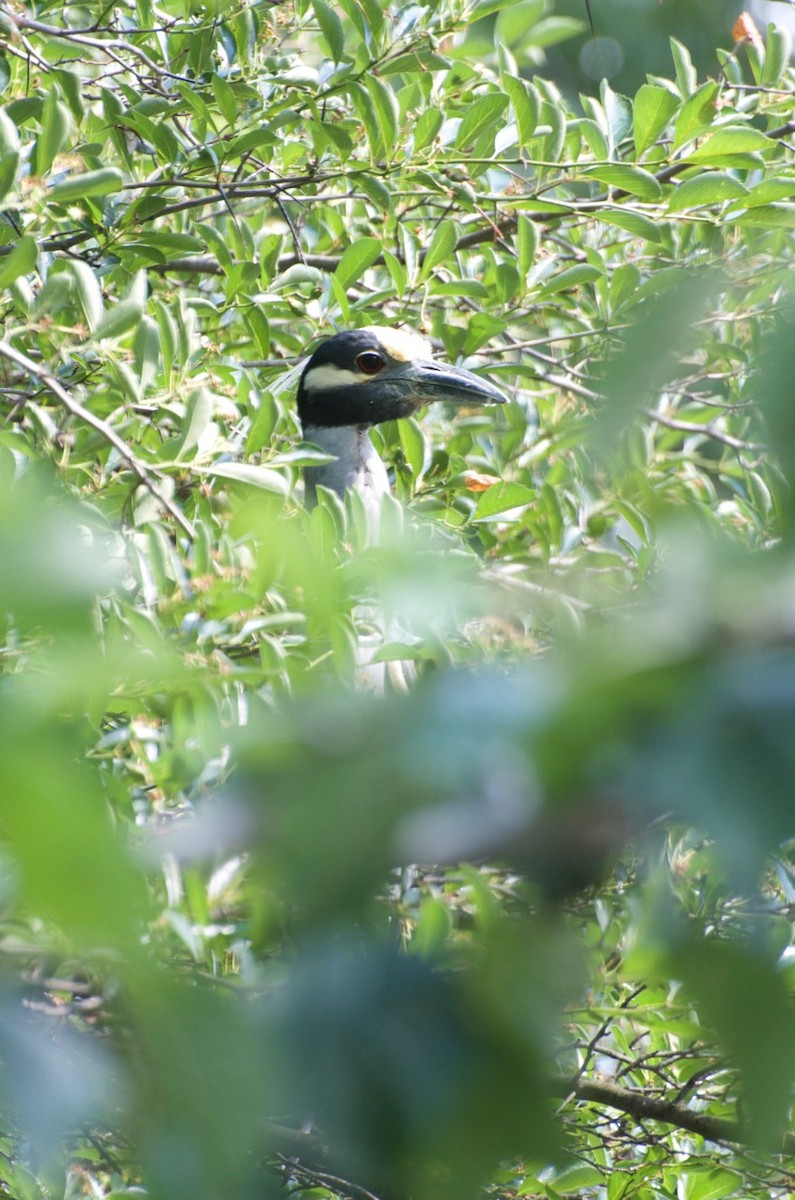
(211, 935)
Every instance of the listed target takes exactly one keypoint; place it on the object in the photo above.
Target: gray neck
(356, 466)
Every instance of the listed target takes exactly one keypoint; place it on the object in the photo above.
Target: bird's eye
(369, 363)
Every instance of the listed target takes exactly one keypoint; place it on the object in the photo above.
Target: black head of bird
(362, 377)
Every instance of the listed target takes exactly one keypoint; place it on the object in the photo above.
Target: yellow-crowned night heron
(357, 379)
(362, 377)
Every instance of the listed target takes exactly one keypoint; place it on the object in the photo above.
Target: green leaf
(552, 30)
(54, 132)
(9, 165)
(778, 52)
(525, 105)
(119, 319)
(9, 134)
(506, 282)
(746, 1000)
(501, 497)
(147, 351)
(338, 137)
(88, 186)
(414, 445)
(263, 424)
(686, 76)
(442, 247)
(196, 103)
(709, 1183)
(168, 336)
(88, 291)
(24, 109)
(527, 241)
(652, 109)
(485, 8)
(225, 98)
(251, 140)
(594, 138)
(696, 114)
(634, 180)
(71, 85)
(216, 242)
(341, 297)
(248, 473)
(729, 142)
(770, 190)
(427, 127)
(377, 191)
(572, 277)
(415, 62)
(552, 144)
(516, 20)
(674, 301)
(623, 284)
(635, 223)
(260, 329)
(397, 272)
(771, 216)
(199, 410)
(618, 111)
(331, 28)
(480, 118)
(21, 261)
(356, 259)
(710, 187)
(157, 133)
(577, 1178)
(387, 112)
(56, 293)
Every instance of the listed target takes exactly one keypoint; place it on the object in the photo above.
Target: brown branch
(291, 1142)
(329, 1182)
(198, 264)
(309, 1148)
(781, 131)
(652, 1108)
(102, 428)
(207, 264)
(323, 262)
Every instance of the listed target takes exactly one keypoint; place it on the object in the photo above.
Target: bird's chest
(356, 466)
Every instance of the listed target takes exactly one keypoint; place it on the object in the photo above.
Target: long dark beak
(429, 381)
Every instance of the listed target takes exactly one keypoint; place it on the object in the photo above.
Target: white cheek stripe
(327, 377)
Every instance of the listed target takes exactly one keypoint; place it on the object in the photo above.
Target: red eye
(369, 363)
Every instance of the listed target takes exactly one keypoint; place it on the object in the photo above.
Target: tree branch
(649, 1108)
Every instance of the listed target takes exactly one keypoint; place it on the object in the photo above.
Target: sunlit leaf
(652, 109)
(82, 187)
(258, 477)
(357, 258)
(709, 187)
(20, 261)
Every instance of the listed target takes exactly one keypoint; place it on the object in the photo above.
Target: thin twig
(109, 435)
(709, 430)
(105, 45)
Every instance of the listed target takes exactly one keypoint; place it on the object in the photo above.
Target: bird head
(365, 376)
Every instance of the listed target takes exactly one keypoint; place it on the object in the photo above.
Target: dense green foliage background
(220, 975)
